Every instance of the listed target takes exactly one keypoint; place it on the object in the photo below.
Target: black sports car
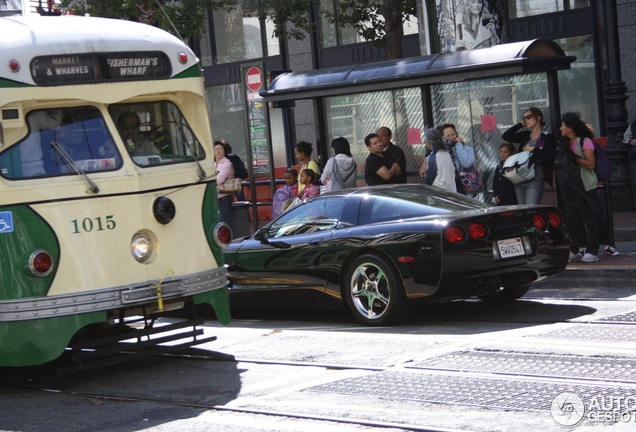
(382, 248)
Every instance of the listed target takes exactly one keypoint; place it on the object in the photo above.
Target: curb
(600, 277)
(624, 234)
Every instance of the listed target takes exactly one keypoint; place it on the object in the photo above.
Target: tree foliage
(375, 20)
(184, 18)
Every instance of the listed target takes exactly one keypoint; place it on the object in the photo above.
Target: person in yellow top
(303, 151)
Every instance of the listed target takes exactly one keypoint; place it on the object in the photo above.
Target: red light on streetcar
(41, 263)
(14, 65)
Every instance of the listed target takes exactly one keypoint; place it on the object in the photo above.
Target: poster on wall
(470, 24)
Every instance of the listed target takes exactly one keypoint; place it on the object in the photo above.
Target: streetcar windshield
(155, 133)
(61, 141)
(66, 141)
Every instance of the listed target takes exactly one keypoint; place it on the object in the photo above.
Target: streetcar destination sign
(91, 68)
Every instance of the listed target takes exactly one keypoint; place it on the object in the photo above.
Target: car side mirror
(262, 235)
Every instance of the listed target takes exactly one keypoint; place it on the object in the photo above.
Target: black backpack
(239, 167)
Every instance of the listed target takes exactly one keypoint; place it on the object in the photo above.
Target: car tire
(374, 292)
(508, 294)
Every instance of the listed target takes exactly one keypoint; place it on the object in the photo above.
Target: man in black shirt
(386, 137)
(380, 168)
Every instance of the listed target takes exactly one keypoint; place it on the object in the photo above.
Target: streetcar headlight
(142, 246)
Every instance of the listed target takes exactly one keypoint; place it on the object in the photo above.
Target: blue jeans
(225, 209)
(531, 191)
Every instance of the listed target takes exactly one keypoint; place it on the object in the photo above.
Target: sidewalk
(607, 272)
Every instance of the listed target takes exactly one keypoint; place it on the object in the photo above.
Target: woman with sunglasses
(530, 135)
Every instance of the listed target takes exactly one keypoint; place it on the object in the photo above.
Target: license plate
(511, 247)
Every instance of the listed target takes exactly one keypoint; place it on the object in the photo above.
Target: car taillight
(41, 263)
(455, 235)
(539, 222)
(477, 231)
(555, 220)
(223, 234)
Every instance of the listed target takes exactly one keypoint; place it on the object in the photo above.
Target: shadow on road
(143, 394)
(297, 309)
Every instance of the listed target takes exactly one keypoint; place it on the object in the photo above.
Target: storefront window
(237, 37)
(227, 116)
(228, 121)
(525, 8)
(577, 85)
(333, 34)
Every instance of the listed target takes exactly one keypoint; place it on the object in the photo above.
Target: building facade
(598, 86)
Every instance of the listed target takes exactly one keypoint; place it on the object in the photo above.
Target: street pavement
(608, 271)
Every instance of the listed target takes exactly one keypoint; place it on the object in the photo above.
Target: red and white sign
(254, 79)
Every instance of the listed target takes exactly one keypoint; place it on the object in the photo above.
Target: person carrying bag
(340, 170)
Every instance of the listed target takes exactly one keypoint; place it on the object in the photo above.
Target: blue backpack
(603, 167)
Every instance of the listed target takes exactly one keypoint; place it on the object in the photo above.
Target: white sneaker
(589, 258)
(610, 251)
(574, 257)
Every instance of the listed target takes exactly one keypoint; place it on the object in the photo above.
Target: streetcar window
(156, 133)
(64, 141)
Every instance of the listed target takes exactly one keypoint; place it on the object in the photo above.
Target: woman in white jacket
(340, 170)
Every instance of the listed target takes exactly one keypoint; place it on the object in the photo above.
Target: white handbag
(518, 168)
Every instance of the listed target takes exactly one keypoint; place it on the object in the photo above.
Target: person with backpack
(577, 182)
(340, 170)
(240, 171)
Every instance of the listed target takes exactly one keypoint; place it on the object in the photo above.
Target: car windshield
(317, 215)
(407, 202)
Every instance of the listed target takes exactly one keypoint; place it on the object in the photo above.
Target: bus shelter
(483, 92)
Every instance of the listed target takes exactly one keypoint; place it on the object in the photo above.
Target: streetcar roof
(23, 38)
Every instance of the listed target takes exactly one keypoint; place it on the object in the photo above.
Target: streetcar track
(457, 372)
(439, 371)
(573, 381)
(286, 414)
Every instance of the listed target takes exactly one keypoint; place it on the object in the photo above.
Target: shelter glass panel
(356, 116)
(482, 110)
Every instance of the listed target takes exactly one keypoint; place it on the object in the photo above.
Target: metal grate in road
(562, 366)
(629, 317)
(593, 333)
(462, 390)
